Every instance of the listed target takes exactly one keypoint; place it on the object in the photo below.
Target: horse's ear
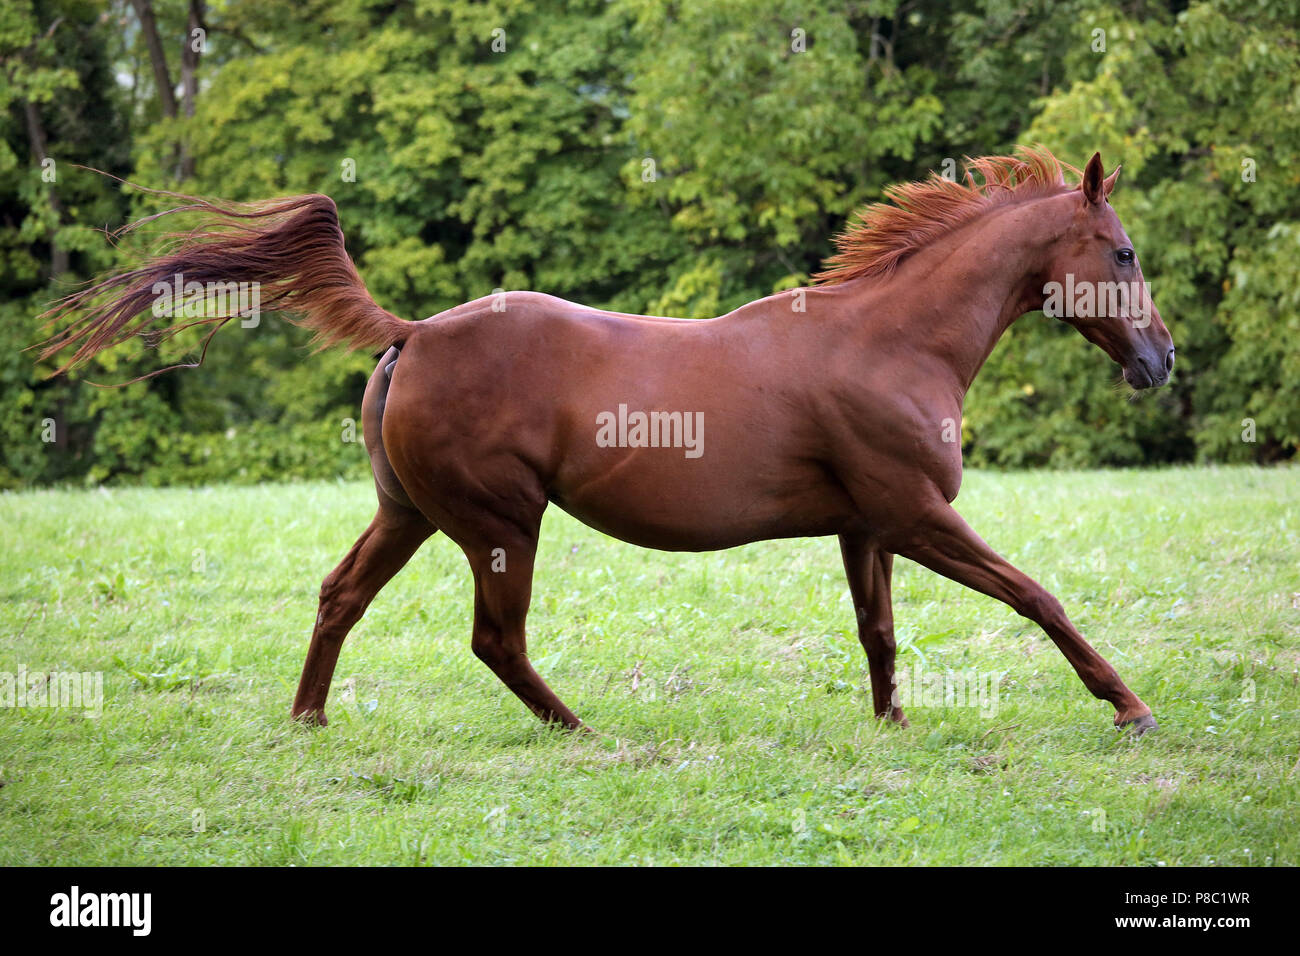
(1109, 184)
(1093, 184)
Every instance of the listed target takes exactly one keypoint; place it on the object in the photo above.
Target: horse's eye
(1124, 256)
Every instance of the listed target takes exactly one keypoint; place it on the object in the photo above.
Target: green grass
(728, 688)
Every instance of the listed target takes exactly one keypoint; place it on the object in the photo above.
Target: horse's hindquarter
(672, 434)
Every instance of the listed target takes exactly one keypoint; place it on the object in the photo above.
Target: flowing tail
(291, 248)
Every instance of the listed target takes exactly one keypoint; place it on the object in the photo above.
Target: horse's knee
(876, 635)
(1041, 606)
(880, 645)
(339, 605)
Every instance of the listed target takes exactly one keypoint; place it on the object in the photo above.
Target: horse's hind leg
(869, 570)
(380, 552)
(502, 561)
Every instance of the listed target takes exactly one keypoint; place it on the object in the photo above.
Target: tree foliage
(642, 155)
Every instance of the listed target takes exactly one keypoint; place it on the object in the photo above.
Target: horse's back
(645, 428)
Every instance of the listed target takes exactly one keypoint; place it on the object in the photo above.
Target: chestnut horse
(831, 409)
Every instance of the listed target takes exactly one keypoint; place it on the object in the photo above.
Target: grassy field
(728, 689)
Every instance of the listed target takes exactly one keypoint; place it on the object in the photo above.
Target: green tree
(1199, 105)
(641, 155)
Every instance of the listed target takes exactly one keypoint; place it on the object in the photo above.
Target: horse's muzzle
(1146, 373)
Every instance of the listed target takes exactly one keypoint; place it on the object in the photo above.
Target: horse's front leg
(869, 570)
(943, 542)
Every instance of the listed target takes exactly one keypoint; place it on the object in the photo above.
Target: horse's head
(1094, 282)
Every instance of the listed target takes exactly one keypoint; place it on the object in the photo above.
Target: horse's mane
(923, 211)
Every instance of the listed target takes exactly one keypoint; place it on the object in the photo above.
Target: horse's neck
(961, 294)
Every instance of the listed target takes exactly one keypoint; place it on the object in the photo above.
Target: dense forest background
(674, 158)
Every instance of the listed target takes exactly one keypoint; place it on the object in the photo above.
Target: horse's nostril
(1169, 361)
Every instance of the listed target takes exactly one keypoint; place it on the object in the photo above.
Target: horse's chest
(940, 460)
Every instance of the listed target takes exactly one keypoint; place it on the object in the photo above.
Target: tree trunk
(162, 76)
(36, 134)
(191, 50)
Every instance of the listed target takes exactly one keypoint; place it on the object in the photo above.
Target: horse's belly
(689, 506)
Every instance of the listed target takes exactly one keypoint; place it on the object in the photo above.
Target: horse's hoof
(311, 718)
(1141, 724)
